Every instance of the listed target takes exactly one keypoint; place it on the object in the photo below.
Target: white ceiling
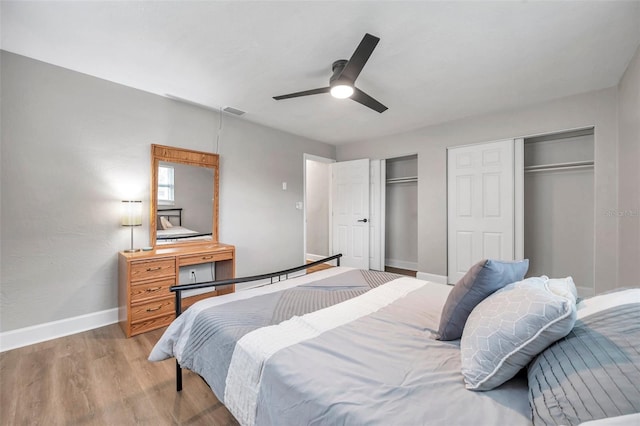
(436, 61)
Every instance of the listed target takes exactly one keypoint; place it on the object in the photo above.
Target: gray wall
(628, 212)
(598, 108)
(194, 194)
(74, 146)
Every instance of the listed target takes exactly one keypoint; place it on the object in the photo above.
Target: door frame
(378, 186)
(377, 213)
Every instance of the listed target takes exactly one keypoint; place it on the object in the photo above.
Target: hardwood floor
(400, 271)
(317, 267)
(101, 378)
(387, 269)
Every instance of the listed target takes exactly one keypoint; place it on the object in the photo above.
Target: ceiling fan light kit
(342, 91)
(345, 73)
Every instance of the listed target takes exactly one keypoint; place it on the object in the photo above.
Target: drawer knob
(154, 309)
(207, 257)
(151, 290)
(157, 268)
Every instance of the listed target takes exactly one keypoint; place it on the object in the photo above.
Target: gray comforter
(381, 367)
(216, 331)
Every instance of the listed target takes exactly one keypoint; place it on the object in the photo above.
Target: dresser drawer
(152, 309)
(149, 269)
(144, 279)
(152, 324)
(151, 290)
(196, 259)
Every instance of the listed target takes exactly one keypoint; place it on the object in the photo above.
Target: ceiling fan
(345, 73)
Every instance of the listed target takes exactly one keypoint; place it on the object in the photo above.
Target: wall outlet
(192, 275)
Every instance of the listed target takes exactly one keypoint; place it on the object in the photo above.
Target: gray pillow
(593, 372)
(509, 328)
(481, 280)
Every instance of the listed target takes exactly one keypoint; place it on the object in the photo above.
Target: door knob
(363, 220)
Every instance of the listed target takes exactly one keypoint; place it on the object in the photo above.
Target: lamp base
(132, 250)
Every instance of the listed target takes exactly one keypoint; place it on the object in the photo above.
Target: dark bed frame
(178, 289)
(177, 212)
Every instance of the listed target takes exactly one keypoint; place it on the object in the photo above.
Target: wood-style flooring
(99, 377)
(317, 268)
(387, 269)
(400, 271)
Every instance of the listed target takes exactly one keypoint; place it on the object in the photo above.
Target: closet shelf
(403, 179)
(560, 166)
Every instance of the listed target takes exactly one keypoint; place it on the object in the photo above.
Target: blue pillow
(480, 281)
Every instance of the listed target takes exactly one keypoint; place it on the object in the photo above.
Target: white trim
(315, 257)
(518, 211)
(402, 264)
(268, 282)
(440, 279)
(52, 330)
(383, 211)
(585, 292)
(377, 219)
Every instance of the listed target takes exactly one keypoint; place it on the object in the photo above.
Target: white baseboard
(267, 281)
(52, 330)
(402, 264)
(585, 292)
(315, 257)
(440, 279)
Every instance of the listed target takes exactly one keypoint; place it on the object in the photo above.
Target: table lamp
(132, 216)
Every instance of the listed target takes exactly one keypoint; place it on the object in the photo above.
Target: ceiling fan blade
(303, 93)
(360, 57)
(368, 101)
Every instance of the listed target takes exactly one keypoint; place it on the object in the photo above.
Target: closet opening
(401, 215)
(559, 207)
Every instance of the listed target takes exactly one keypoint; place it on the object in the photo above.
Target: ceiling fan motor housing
(337, 68)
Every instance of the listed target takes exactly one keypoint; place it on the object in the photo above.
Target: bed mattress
(336, 347)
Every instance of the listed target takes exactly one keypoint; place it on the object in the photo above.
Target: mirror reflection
(185, 203)
(184, 196)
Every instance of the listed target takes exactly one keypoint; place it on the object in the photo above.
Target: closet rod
(560, 166)
(403, 179)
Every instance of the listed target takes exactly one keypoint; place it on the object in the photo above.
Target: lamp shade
(131, 213)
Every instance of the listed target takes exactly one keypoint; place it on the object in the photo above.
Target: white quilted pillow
(509, 328)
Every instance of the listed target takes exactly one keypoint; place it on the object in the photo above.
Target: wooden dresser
(144, 278)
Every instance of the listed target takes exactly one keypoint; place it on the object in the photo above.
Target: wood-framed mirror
(184, 197)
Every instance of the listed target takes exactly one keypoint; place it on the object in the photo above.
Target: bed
(170, 229)
(345, 346)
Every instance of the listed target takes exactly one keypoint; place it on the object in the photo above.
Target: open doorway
(317, 207)
(392, 212)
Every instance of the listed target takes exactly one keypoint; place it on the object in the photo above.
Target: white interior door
(480, 210)
(350, 207)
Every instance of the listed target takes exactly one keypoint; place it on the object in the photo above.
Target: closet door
(480, 205)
